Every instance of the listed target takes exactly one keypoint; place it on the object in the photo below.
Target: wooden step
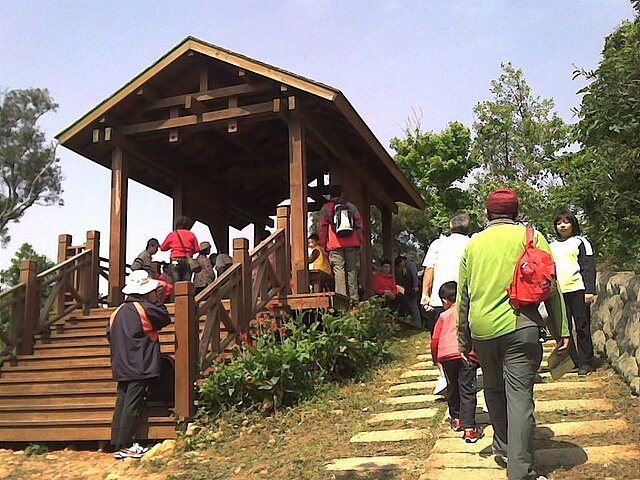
(82, 351)
(154, 428)
(18, 402)
(93, 412)
(57, 388)
(90, 372)
(28, 363)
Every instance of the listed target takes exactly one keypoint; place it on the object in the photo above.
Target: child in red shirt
(461, 372)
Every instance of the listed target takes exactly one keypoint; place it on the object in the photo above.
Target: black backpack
(342, 219)
(163, 388)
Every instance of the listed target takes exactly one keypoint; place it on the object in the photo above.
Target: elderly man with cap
(135, 357)
(144, 260)
(507, 341)
(205, 276)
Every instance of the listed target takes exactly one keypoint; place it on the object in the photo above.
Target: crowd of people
(462, 299)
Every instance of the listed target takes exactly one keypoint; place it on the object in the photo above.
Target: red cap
(502, 200)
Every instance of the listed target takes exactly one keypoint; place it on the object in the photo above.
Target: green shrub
(283, 365)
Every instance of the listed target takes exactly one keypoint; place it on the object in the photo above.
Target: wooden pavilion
(230, 138)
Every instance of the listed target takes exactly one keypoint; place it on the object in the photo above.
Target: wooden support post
(118, 233)
(64, 242)
(220, 234)
(186, 350)
(283, 262)
(298, 194)
(28, 272)
(178, 201)
(241, 255)
(90, 283)
(366, 252)
(387, 233)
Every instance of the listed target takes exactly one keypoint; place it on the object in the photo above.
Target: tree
(29, 170)
(11, 276)
(437, 164)
(603, 177)
(518, 140)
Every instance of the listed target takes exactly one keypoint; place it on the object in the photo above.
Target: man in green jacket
(508, 342)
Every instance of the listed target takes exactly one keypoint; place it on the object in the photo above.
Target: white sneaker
(441, 385)
(134, 451)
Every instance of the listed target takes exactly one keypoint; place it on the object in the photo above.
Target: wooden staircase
(64, 391)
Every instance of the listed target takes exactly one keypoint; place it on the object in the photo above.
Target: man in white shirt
(442, 264)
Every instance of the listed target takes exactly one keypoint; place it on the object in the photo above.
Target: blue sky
(390, 58)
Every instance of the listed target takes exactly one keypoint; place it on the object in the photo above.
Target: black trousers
(461, 390)
(180, 270)
(130, 404)
(579, 315)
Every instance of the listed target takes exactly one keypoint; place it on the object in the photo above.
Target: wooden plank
(298, 195)
(212, 94)
(191, 120)
(118, 227)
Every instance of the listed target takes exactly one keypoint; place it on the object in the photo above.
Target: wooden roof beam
(272, 106)
(213, 94)
(335, 147)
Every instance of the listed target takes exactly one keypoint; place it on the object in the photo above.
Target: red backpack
(535, 277)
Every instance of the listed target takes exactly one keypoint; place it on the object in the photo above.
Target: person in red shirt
(181, 242)
(460, 370)
(384, 281)
(342, 241)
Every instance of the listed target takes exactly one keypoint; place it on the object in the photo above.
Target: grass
(299, 442)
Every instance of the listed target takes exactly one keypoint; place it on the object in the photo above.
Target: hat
(204, 246)
(502, 200)
(223, 259)
(139, 283)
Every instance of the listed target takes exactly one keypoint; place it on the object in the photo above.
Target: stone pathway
(452, 458)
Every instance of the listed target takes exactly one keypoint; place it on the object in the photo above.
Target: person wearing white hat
(205, 276)
(135, 356)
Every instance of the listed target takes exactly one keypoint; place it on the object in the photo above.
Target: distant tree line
(518, 140)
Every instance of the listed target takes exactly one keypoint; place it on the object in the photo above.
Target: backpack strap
(147, 326)
(530, 236)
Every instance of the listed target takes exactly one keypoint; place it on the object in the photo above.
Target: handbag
(193, 263)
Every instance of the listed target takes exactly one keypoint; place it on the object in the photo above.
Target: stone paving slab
(403, 415)
(456, 460)
(572, 405)
(369, 463)
(544, 387)
(549, 430)
(410, 399)
(424, 357)
(390, 435)
(421, 365)
(493, 473)
(455, 443)
(578, 455)
(430, 385)
(433, 372)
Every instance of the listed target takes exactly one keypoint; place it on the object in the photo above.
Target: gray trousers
(345, 263)
(509, 365)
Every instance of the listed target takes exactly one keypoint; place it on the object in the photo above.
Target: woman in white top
(576, 269)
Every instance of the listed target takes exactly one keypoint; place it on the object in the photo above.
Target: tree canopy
(11, 276)
(603, 177)
(518, 140)
(29, 169)
(437, 163)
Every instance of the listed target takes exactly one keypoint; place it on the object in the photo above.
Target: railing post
(28, 272)
(186, 352)
(92, 272)
(284, 267)
(241, 255)
(64, 242)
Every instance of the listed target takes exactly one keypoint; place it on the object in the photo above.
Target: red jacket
(172, 242)
(382, 282)
(328, 238)
(444, 345)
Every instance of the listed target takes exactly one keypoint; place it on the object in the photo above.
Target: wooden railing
(42, 299)
(231, 302)
(12, 308)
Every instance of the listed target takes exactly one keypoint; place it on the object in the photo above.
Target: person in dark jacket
(135, 357)
(408, 279)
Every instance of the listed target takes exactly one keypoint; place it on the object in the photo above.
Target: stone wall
(615, 323)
